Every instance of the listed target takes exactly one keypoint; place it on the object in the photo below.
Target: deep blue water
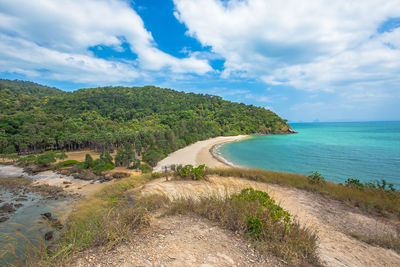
(367, 151)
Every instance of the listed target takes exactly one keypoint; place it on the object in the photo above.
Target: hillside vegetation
(156, 121)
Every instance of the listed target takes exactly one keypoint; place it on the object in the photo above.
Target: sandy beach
(198, 153)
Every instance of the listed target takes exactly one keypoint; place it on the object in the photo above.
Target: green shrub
(12, 156)
(106, 157)
(60, 155)
(275, 211)
(45, 159)
(184, 171)
(316, 178)
(199, 172)
(69, 163)
(188, 171)
(88, 162)
(136, 164)
(354, 183)
(28, 159)
(145, 168)
(157, 175)
(100, 165)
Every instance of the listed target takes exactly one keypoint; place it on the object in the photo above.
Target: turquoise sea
(367, 151)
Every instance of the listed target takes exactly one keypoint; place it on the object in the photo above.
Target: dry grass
(384, 241)
(111, 215)
(104, 219)
(373, 201)
(257, 220)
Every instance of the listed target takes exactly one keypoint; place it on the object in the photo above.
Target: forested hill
(17, 95)
(35, 118)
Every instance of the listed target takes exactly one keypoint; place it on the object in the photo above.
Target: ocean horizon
(368, 151)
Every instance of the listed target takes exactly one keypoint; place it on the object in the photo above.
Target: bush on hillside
(69, 163)
(100, 165)
(45, 159)
(145, 168)
(88, 163)
(316, 178)
(354, 183)
(188, 171)
(27, 160)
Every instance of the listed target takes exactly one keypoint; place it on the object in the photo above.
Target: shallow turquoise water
(367, 151)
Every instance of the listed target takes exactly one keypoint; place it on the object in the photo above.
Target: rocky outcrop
(7, 208)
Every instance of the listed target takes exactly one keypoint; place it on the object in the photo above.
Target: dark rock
(48, 235)
(3, 219)
(118, 175)
(8, 207)
(21, 199)
(64, 172)
(34, 169)
(18, 205)
(47, 216)
(66, 182)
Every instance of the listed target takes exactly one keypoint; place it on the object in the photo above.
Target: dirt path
(179, 241)
(332, 220)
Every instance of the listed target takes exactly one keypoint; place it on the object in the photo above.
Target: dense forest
(154, 121)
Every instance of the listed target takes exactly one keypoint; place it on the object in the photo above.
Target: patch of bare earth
(332, 220)
(179, 241)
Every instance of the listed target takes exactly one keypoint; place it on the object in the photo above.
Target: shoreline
(199, 153)
(218, 156)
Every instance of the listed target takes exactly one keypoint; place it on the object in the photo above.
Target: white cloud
(56, 35)
(311, 45)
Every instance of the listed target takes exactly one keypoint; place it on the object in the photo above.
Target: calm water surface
(364, 150)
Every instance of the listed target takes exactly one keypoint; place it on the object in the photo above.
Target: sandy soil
(332, 220)
(198, 153)
(179, 241)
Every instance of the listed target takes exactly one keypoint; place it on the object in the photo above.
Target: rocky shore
(16, 192)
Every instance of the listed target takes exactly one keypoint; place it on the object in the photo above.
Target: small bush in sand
(188, 171)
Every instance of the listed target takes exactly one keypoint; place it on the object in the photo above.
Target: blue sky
(305, 60)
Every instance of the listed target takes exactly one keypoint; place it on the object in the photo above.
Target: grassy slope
(374, 201)
(108, 217)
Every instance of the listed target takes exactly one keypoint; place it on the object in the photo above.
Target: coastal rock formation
(7, 208)
(48, 235)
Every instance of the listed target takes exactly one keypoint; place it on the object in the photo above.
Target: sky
(305, 60)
